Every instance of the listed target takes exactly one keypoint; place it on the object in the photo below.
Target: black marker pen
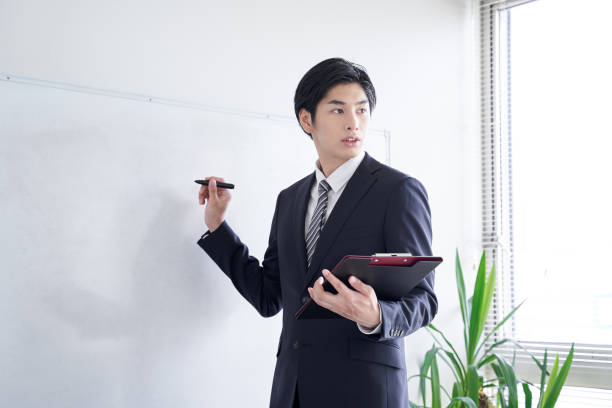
(220, 184)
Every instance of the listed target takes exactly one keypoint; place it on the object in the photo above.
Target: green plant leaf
(487, 353)
(416, 375)
(500, 398)
(544, 370)
(551, 380)
(436, 401)
(502, 381)
(485, 361)
(425, 367)
(489, 290)
(509, 380)
(458, 358)
(553, 389)
(489, 349)
(528, 382)
(534, 358)
(528, 396)
(456, 390)
(456, 368)
(462, 400)
(473, 383)
(462, 297)
(429, 378)
(452, 362)
(443, 354)
(497, 326)
(499, 373)
(475, 317)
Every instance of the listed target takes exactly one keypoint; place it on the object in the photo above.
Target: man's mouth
(350, 139)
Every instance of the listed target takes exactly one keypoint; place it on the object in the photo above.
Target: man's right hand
(216, 200)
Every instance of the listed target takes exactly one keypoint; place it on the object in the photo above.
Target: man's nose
(352, 122)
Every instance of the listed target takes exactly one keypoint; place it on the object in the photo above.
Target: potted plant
(467, 389)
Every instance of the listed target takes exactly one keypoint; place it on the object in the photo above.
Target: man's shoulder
(389, 174)
(292, 189)
(391, 177)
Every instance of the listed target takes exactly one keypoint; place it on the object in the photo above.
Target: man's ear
(305, 121)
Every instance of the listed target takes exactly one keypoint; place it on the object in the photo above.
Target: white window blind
(546, 194)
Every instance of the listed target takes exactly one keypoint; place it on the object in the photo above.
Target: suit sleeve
(407, 228)
(258, 284)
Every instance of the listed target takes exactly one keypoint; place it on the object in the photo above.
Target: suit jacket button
(305, 299)
(296, 345)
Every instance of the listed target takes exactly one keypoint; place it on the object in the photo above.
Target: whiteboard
(107, 299)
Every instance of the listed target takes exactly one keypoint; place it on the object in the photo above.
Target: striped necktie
(317, 220)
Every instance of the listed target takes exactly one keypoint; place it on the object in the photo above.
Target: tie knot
(324, 187)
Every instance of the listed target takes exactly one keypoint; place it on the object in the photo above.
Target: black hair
(325, 75)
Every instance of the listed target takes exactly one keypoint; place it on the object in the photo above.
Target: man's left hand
(359, 305)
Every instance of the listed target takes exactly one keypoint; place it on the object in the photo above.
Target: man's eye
(362, 110)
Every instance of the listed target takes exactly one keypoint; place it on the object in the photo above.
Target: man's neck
(329, 168)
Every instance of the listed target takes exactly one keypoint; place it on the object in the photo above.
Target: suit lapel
(299, 209)
(357, 186)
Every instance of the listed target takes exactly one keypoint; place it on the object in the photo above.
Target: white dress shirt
(337, 181)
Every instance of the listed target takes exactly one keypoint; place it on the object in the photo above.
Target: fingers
(317, 293)
(336, 303)
(210, 191)
(335, 282)
(321, 296)
(346, 303)
(204, 194)
(360, 287)
(318, 286)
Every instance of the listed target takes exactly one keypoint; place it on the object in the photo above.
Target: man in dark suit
(350, 204)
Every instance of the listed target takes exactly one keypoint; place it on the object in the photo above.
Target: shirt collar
(342, 174)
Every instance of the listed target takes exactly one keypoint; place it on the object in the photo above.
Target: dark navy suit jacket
(331, 362)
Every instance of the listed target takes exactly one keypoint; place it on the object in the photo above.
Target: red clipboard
(392, 278)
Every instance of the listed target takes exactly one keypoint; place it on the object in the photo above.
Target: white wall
(421, 55)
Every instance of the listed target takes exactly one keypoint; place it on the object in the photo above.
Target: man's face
(343, 113)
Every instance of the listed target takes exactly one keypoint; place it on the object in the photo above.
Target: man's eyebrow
(337, 102)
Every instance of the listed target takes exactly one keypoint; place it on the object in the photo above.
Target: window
(547, 195)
